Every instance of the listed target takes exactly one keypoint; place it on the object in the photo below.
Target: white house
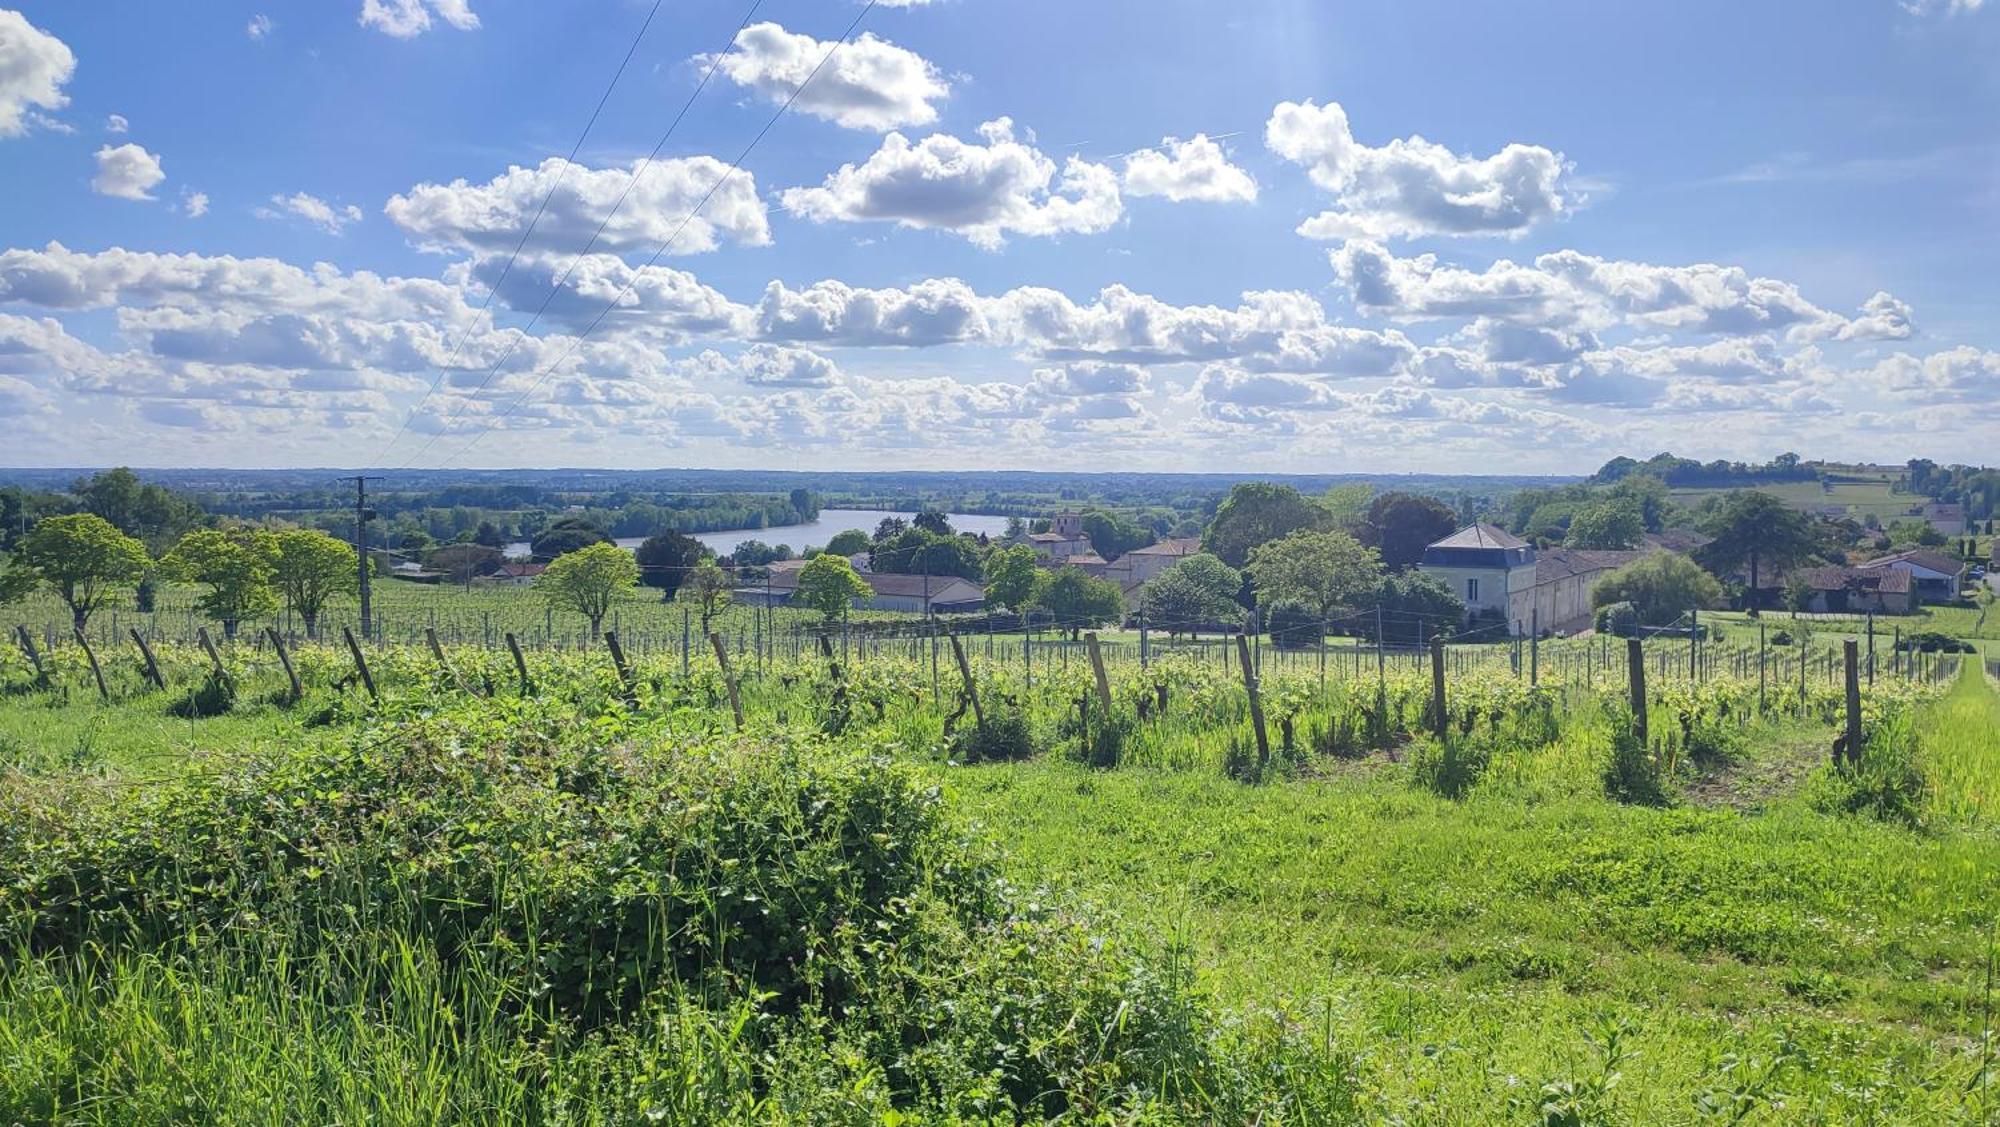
(1934, 576)
(1485, 567)
(1064, 538)
(1948, 520)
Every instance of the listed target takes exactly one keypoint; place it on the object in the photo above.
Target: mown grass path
(1960, 735)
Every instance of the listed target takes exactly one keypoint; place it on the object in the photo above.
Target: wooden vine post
(220, 671)
(34, 655)
(285, 659)
(96, 670)
(1440, 717)
(520, 664)
(437, 652)
(728, 677)
(1256, 704)
(971, 689)
(1097, 667)
(619, 663)
(1850, 739)
(1635, 674)
(360, 663)
(152, 663)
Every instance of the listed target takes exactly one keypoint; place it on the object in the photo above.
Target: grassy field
(462, 904)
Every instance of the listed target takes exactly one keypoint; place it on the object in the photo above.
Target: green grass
(1961, 737)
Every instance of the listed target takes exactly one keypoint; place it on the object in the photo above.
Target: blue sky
(1257, 236)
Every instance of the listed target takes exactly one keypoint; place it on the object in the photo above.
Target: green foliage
(83, 558)
(1005, 737)
(1321, 570)
(1606, 525)
(1633, 771)
(1293, 626)
(828, 585)
(1077, 601)
(1413, 606)
(708, 589)
(1889, 784)
(667, 558)
(1451, 767)
(918, 551)
(1011, 575)
(1660, 587)
(849, 542)
(1399, 526)
(588, 581)
(570, 534)
(1757, 532)
(1258, 512)
(1113, 534)
(1619, 619)
(1195, 591)
(309, 569)
(235, 567)
(146, 512)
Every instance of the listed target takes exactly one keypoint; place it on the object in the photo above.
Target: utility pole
(362, 515)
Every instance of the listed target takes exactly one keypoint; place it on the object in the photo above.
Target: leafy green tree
(309, 568)
(1661, 586)
(666, 559)
(83, 558)
(588, 581)
(1400, 526)
(1348, 504)
(1413, 606)
(1010, 577)
(756, 553)
(1755, 531)
(851, 542)
(933, 522)
(805, 503)
(570, 534)
(1112, 535)
(236, 566)
(1078, 601)
(151, 513)
(707, 588)
(1193, 592)
(830, 585)
(1258, 512)
(1606, 524)
(917, 551)
(1322, 571)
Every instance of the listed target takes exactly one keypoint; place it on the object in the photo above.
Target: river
(815, 534)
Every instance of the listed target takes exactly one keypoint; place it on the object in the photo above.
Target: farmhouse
(1089, 562)
(1064, 538)
(1498, 574)
(909, 594)
(1947, 519)
(1934, 576)
(514, 573)
(1853, 590)
(1141, 564)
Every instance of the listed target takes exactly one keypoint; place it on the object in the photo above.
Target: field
(599, 901)
(1862, 498)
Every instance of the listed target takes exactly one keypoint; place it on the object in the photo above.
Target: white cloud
(127, 172)
(1195, 169)
(260, 26)
(34, 65)
(116, 123)
(1962, 373)
(1413, 188)
(983, 192)
(1948, 7)
(194, 204)
(406, 19)
(489, 218)
(331, 218)
(932, 312)
(869, 83)
(766, 365)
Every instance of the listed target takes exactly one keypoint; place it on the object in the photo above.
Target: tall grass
(1960, 737)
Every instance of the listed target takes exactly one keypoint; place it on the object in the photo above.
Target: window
(1472, 590)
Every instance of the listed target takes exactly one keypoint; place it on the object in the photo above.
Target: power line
(734, 166)
(507, 269)
(637, 172)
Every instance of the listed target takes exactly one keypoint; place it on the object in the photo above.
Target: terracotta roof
(522, 570)
(1183, 546)
(1888, 581)
(1085, 559)
(1481, 536)
(1053, 537)
(1935, 561)
(1552, 564)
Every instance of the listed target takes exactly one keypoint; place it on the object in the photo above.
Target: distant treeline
(1686, 473)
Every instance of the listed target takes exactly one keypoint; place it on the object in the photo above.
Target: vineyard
(884, 872)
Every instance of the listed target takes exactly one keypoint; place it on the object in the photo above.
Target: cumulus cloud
(982, 192)
(932, 312)
(127, 172)
(406, 19)
(1962, 373)
(766, 365)
(331, 218)
(34, 65)
(1195, 169)
(489, 218)
(869, 84)
(194, 204)
(1412, 188)
(260, 26)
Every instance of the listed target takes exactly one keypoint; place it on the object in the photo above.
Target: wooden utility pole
(1250, 686)
(362, 515)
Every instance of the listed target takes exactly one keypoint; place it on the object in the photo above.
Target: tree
(308, 569)
(1755, 531)
(890, 527)
(1400, 526)
(1257, 512)
(756, 553)
(82, 557)
(805, 503)
(588, 580)
(1323, 571)
(852, 542)
(932, 521)
(1112, 535)
(1413, 606)
(1348, 504)
(830, 585)
(1661, 586)
(1606, 525)
(1194, 592)
(150, 513)
(707, 588)
(1010, 577)
(915, 551)
(235, 566)
(666, 559)
(570, 534)
(1077, 601)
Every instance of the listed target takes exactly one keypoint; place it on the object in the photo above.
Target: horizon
(895, 236)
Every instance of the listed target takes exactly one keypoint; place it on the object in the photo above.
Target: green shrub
(1889, 784)
(214, 696)
(1450, 768)
(1634, 772)
(1005, 737)
(1620, 619)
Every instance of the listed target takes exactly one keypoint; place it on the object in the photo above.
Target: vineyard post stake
(520, 664)
(1760, 667)
(214, 655)
(728, 677)
(1250, 686)
(1439, 718)
(1851, 734)
(360, 663)
(34, 655)
(1097, 667)
(1535, 646)
(152, 665)
(618, 663)
(971, 688)
(437, 651)
(1635, 674)
(96, 670)
(285, 659)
